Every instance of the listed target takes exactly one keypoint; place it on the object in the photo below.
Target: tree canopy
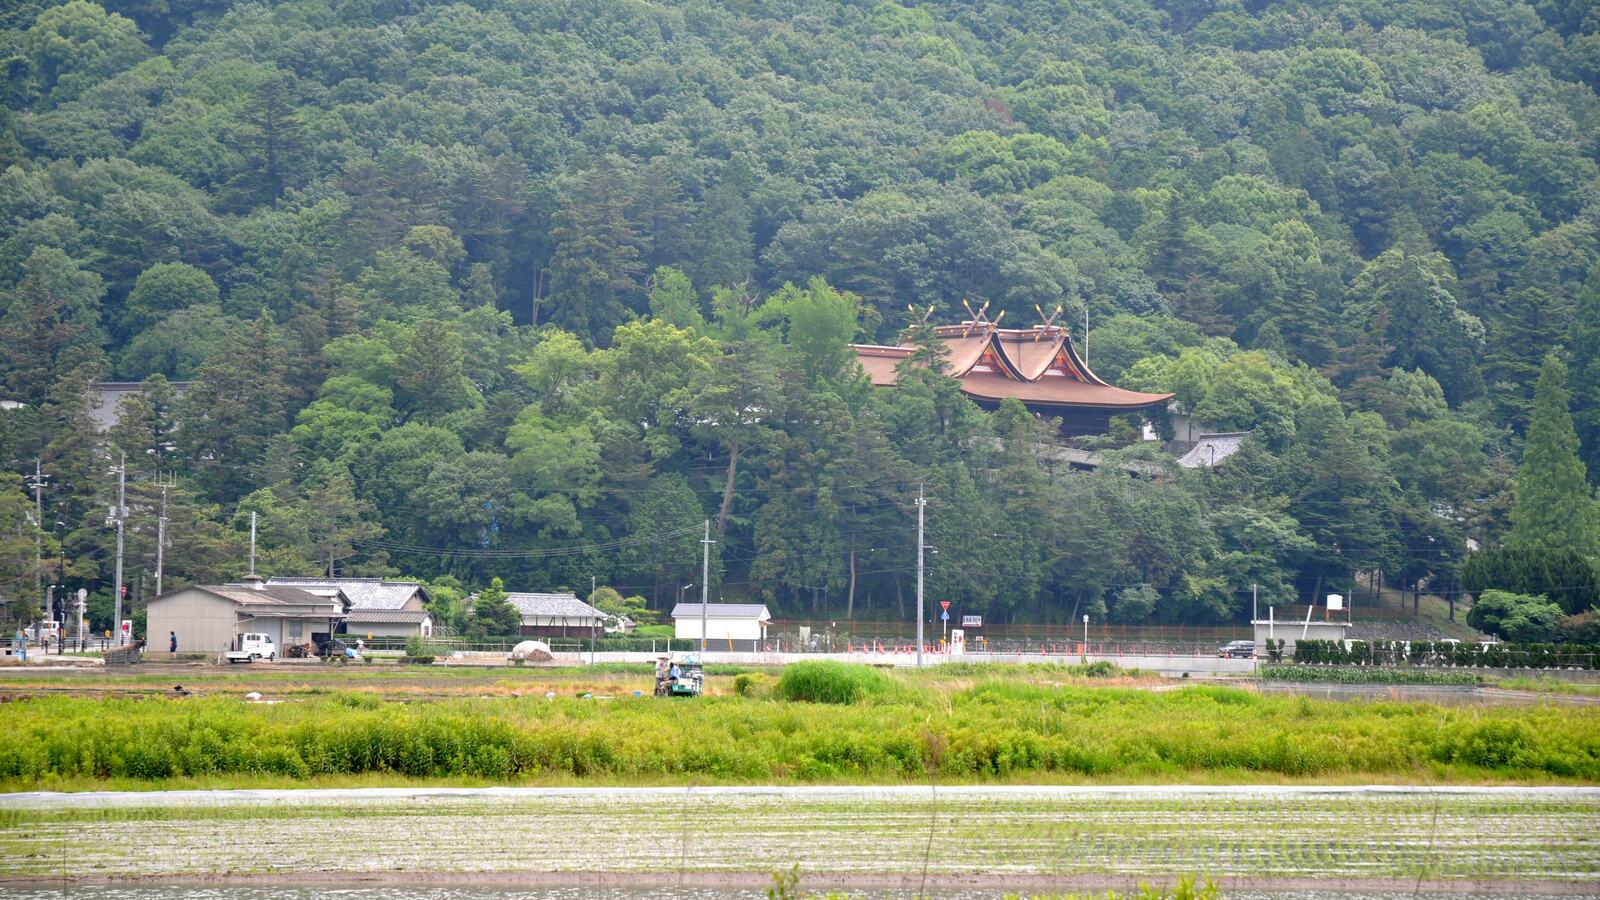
(530, 290)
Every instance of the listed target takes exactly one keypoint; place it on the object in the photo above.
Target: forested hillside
(530, 289)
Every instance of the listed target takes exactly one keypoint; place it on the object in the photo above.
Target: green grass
(989, 726)
(1368, 675)
(1548, 685)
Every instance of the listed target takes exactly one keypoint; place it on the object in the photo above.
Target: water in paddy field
(586, 892)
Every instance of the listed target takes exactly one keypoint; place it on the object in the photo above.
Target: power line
(488, 553)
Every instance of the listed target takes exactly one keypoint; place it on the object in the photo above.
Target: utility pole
(38, 534)
(120, 515)
(1254, 615)
(591, 623)
(161, 538)
(252, 544)
(705, 587)
(922, 504)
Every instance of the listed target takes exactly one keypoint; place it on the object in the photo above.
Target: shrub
(825, 681)
(1366, 675)
(752, 684)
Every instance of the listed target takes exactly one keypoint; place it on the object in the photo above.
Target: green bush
(1366, 675)
(825, 681)
(753, 684)
(1447, 653)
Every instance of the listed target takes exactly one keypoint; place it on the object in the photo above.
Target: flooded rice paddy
(655, 892)
(723, 842)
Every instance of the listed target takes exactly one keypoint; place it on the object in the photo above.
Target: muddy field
(1508, 841)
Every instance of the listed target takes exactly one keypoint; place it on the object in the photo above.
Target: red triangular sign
(944, 604)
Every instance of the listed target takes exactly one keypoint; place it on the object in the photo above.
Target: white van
(254, 646)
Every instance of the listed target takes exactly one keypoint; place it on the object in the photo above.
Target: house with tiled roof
(1209, 450)
(378, 607)
(208, 618)
(559, 614)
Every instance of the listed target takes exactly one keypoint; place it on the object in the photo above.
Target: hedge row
(1446, 653)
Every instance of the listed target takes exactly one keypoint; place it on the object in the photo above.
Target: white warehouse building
(740, 627)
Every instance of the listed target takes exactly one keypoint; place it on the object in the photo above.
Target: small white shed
(726, 626)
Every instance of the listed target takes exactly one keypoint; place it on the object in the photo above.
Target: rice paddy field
(965, 782)
(815, 723)
(1507, 840)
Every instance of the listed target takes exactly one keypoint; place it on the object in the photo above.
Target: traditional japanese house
(1038, 366)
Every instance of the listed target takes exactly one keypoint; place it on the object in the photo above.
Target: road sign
(944, 616)
(972, 621)
(944, 604)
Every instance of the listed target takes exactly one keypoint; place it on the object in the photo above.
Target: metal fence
(61, 644)
(1150, 643)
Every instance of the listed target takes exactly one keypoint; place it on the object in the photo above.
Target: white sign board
(972, 621)
(1335, 601)
(958, 642)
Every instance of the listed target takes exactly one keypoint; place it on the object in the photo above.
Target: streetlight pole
(1085, 656)
(38, 525)
(161, 541)
(922, 504)
(61, 575)
(120, 516)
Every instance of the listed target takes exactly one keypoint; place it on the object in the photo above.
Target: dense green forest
(530, 289)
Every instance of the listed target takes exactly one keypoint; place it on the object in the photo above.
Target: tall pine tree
(1554, 509)
(1585, 378)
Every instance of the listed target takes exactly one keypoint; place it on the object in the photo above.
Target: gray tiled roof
(558, 606)
(266, 598)
(722, 610)
(1211, 449)
(364, 593)
(387, 616)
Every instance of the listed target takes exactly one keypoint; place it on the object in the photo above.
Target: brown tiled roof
(1035, 365)
(1056, 391)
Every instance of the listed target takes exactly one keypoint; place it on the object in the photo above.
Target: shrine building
(1038, 366)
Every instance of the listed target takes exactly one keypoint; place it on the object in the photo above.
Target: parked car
(1238, 650)
(253, 646)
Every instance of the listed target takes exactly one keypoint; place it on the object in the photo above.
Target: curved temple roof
(1038, 366)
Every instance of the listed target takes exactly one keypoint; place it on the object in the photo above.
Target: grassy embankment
(967, 724)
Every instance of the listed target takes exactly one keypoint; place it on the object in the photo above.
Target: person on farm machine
(663, 668)
(675, 680)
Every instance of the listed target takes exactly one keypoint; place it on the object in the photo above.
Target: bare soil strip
(1544, 840)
